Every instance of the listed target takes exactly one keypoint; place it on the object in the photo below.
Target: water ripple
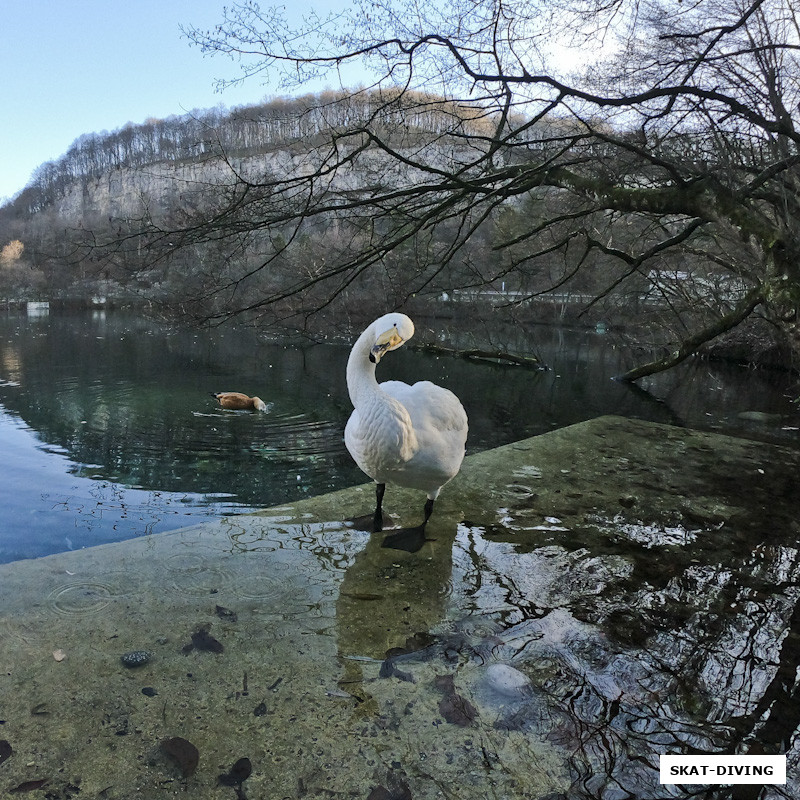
(80, 598)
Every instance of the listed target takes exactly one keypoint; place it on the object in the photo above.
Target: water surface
(109, 431)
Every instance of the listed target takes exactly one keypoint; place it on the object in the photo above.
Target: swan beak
(385, 342)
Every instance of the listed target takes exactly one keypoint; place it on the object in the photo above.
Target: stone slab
(585, 600)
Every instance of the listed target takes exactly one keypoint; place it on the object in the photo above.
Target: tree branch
(690, 346)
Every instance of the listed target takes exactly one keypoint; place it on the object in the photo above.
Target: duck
(239, 402)
(412, 436)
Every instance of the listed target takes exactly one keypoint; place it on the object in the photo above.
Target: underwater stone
(183, 753)
(136, 658)
(507, 680)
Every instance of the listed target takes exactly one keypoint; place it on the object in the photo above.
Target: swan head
(391, 330)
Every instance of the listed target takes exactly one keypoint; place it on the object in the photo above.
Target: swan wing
(381, 439)
(440, 428)
(429, 406)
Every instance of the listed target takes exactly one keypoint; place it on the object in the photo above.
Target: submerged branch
(529, 362)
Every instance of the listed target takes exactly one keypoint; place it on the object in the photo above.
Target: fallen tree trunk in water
(529, 362)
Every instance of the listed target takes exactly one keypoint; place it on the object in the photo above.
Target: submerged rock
(237, 775)
(135, 658)
(455, 708)
(507, 680)
(183, 753)
(6, 751)
(203, 640)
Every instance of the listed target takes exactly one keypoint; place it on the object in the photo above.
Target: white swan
(411, 436)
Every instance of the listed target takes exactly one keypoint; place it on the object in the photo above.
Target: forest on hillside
(236, 133)
(52, 252)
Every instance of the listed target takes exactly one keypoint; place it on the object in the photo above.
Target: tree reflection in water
(643, 580)
(625, 670)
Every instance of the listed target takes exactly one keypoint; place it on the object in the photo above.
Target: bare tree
(674, 145)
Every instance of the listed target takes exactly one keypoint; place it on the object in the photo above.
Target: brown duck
(239, 402)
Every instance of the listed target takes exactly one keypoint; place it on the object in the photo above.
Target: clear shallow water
(109, 431)
(520, 654)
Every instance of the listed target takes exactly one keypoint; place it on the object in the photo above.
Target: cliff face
(178, 158)
(126, 192)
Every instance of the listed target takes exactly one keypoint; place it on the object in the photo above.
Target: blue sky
(79, 66)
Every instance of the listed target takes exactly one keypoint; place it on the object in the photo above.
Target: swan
(238, 401)
(411, 436)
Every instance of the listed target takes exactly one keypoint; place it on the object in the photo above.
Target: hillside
(76, 224)
(200, 147)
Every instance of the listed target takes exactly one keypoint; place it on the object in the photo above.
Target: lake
(109, 430)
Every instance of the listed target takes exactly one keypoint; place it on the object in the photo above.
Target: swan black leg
(377, 522)
(410, 539)
(428, 512)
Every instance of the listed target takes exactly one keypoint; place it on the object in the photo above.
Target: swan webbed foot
(366, 522)
(410, 539)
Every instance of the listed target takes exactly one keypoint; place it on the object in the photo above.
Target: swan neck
(361, 381)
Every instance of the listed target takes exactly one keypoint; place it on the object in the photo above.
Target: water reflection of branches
(264, 534)
(95, 515)
(714, 670)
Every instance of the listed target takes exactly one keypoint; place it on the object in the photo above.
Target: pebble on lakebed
(136, 658)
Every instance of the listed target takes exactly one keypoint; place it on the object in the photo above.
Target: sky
(71, 67)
